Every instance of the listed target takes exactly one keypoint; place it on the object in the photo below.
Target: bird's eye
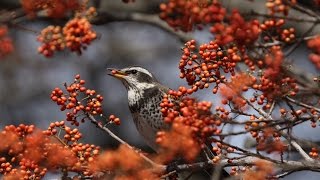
(133, 71)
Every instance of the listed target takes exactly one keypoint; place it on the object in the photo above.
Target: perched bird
(145, 94)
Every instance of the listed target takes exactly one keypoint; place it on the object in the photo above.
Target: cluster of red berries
(18, 144)
(81, 154)
(75, 36)
(28, 170)
(278, 6)
(71, 135)
(237, 30)
(235, 171)
(78, 34)
(272, 30)
(261, 170)
(269, 141)
(273, 82)
(124, 164)
(30, 153)
(208, 65)
(21, 130)
(53, 8)
(300, 112)
(314, 153)
(6, 46)
(196, 115)
(90, 103)
(52, 40)
(220, 150)
(275, 88)
(314, 44)
(179, 141)
(287, 35)
(183, 15)
(233, 90)
(114, 119)
(272, 24)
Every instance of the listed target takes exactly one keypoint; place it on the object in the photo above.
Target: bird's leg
(173, 165)
(172, 168)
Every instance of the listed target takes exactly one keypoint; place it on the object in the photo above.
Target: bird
(145, 94)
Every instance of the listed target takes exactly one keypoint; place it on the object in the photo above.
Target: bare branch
(105, 129)
(9, 16)
(302, 104)
(153, 19)
(246, 161)
(302, 20)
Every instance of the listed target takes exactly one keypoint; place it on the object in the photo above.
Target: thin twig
(105, 129)
(302, 104)
(302, 20)
(153, 19)
(293, 142)
(9, 16)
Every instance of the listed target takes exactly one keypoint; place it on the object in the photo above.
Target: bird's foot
(173, 165)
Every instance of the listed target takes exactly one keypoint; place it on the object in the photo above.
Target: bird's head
(134, 77)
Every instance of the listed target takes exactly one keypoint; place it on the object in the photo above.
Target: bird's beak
(116, 73)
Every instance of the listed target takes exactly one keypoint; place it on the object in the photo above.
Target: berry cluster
(179, 141)
(236, 31)
(124, 163)
(30, 152)
(314, 44)
(287, 35)
(75, 36)
(262, 170)
(314, 153)
(52, 40)
(191, 113)
(300, 112)
(208, 65)
(78, 33)
(84, 153)
(183, 15)
(221, 149)
(114, 119)
(6, 46)
(271, 24)
(269, 141)
(279, 6)
(53, 8)
(273, 83)
(231, 91)
(21, 144)
(28, 169)
(272, 30)
(89, 104)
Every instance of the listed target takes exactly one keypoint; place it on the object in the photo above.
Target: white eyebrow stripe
(142, 70)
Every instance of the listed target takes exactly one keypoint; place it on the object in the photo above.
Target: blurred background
(27, 78)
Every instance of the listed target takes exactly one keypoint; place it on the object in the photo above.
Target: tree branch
(290, 140)
(9, 16)
(302, 104)
(248, 161)
(105, 129)
(153, 19)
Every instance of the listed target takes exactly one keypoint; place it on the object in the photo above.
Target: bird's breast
(146, 112)
(134, 100)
